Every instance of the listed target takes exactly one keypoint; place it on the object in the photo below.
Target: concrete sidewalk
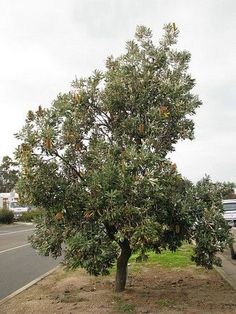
(228, 269)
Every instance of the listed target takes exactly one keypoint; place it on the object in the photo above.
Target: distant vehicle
(17, 209)
(230, 211)
(10, 201)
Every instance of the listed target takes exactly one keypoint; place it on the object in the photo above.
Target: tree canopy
(9, 173)
(96, 161)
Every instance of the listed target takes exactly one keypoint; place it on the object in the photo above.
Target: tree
(228, 189)
(9, 173)
(211, 231)
(96, 161)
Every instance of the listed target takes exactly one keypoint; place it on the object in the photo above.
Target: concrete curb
(30, 284)
(24, 223)
(227, 271)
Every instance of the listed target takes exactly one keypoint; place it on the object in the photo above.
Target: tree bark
(122, 263)
(232, 252)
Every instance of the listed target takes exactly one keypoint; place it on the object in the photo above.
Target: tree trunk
(122, 263)
(232, 252)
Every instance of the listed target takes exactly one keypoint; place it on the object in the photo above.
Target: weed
(125, 308)
(164, 302)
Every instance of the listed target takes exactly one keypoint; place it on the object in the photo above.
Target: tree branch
(69, 165)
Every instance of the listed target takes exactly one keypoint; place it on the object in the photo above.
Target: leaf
(58, 216)
(78, 146)
(174, 167)
(30, 115)
(88, 215)
(141, 128)
(48, 143)
(177, 229)
(163, 111)
(39, 112)
(77, 97)
(123, 165)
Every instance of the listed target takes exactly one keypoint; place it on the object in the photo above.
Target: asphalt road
(19, 263)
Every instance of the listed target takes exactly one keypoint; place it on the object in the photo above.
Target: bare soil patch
(149, 290)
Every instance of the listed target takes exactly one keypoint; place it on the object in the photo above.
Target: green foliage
(30, 216)
(96, 161)
(179, 259)
(164, 302)
(6, 216)
(92, 251)
(48, 236)
(212, 232)
(8, 174)
(123, 307)
(227, 190)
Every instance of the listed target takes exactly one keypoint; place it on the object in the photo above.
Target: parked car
(17, 209)
(230, 211)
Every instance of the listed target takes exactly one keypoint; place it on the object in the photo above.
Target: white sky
(45, 44)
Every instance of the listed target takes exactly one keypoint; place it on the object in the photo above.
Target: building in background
(7, 199)
(10, 201)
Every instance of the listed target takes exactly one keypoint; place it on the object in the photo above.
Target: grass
(122, 306)
(167, 259)
(126, 308)
(164, 302)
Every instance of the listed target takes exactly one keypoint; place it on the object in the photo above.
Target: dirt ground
(150, 290)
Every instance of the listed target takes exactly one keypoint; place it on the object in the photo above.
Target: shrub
(6, 216)
(30, 215)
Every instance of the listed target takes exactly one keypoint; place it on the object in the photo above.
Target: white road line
(14, 248)
(12, 232)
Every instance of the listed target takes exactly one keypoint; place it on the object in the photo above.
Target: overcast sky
(46, 44)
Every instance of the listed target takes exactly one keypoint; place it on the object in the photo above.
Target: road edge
(30, 284)
(225, 271)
